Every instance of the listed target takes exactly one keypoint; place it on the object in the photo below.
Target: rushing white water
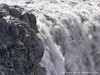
(71, 38)
(70, 31)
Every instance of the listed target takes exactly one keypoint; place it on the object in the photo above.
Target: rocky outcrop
(20, 48)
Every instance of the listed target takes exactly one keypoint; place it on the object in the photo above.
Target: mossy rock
(18, 21)
(1, 9)
(1, 13)
(20, 43)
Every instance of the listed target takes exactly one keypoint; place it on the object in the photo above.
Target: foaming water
(71, 40)
(70, 31)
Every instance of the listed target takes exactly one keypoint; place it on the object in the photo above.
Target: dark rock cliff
(20, 48)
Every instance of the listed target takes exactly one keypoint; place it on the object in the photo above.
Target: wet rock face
(30, 19)
(20, 48)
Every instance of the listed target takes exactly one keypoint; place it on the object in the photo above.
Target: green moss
(1, 9)
(17, 21)
(20, 43)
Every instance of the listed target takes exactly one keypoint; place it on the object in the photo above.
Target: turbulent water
(70, 31)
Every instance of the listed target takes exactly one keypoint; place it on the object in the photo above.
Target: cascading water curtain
(70, 31)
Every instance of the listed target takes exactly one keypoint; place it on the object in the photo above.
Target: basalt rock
(20, 48)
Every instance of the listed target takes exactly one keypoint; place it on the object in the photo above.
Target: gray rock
(20, 48)
(14, 12)
(30, 19)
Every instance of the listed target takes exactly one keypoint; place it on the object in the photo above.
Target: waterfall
(70, 31)
(71, 40)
